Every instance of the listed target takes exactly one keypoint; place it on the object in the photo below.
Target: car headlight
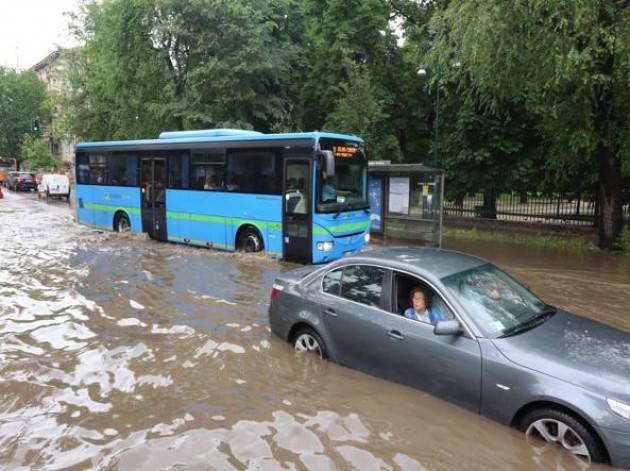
(325, 246)
(367, 238)
(619, 408)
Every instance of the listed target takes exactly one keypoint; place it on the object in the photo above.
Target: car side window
(332, 282)
(363, 284)
(405, 288)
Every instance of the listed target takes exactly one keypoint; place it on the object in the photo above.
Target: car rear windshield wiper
(535, 321)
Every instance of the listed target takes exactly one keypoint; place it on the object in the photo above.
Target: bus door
(153, 189)
(297, 210)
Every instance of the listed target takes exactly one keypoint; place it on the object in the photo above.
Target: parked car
(20, 181)
(52, 185)
(487, 344)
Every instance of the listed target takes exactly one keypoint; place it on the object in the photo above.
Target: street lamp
(422, 72)
(436, 124)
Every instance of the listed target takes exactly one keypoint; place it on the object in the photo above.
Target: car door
(352, 309)
(446, 366)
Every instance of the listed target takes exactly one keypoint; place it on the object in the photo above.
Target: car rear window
(362, 284)
(25, 176)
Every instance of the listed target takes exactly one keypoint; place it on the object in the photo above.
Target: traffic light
(35, 125)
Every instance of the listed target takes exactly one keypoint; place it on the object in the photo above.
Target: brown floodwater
(118, 352)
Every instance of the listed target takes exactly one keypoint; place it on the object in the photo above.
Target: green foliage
(623, 241)
(151, 65)
(22, 97)
(566, 63)
(35, 155)
(361, 111)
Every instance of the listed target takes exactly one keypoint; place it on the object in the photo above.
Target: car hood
(576, 350)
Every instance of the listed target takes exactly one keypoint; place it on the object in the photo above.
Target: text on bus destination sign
(344, 151)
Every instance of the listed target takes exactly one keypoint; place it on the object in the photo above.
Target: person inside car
(421, 309)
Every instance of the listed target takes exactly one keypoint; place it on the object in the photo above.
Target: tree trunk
(522, 196)
(610, 217)
(490, 204)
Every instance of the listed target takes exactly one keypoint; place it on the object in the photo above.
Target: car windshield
(498, 303)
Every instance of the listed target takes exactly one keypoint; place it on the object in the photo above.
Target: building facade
(50, 71)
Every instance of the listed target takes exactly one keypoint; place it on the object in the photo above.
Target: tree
(344, 40)
(35, 155)
(22, 97)
(151, 65)
(567, 62)
(361, 111)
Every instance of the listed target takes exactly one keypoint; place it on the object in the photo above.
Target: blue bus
(298, 196)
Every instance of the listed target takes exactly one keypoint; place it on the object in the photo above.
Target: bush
(35, 155)
(623, 241)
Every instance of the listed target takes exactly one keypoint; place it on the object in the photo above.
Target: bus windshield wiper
(529, 324)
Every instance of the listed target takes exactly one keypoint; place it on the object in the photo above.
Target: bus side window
(207, 170)
(252, 171)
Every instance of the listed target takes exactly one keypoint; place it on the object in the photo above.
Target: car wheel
(122, 223)
(307, 340)
(250, 241)
(557, 427)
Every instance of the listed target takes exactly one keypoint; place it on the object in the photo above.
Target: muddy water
(122, 353)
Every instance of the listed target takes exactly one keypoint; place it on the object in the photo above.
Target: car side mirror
(448, 327)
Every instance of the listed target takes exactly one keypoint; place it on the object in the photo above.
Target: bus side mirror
(329, 163)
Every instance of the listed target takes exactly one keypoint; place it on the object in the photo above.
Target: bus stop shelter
(406, 202)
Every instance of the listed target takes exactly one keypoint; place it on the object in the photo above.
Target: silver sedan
(461, 329)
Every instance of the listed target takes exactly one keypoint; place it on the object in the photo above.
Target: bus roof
(184, 139)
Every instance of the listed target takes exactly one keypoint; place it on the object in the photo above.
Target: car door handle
(331, 312)
(394, 334)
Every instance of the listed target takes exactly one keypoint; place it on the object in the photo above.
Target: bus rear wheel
(249, 240)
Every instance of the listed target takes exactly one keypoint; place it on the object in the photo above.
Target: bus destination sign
(344, 152)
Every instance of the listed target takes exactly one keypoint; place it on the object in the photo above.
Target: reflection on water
(121, 353)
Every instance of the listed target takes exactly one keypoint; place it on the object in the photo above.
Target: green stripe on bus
(223, 220)
(111, 208)
(353, 226)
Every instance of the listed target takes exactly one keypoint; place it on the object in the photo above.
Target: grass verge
(548, 241)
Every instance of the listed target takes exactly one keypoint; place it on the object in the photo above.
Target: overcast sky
(32, 29)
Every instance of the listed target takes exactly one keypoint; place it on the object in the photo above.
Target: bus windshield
(347, 189)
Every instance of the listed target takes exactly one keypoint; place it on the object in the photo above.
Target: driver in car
(421, 309)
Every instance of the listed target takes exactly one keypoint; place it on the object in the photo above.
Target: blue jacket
(435, 314)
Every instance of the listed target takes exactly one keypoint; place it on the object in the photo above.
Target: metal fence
(531, 207)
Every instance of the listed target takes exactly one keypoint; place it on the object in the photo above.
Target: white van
(54, 185)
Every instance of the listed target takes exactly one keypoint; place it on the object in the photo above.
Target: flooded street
(117, 352)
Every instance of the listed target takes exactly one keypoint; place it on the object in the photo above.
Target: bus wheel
(250, 241)
(121, 224)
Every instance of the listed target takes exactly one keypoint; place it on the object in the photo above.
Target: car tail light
(275, 290)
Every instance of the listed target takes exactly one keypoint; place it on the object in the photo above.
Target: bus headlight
(325, 246)
(367, 238)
